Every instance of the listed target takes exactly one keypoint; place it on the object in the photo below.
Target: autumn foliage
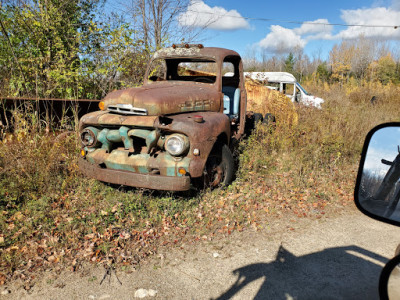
(52, 217)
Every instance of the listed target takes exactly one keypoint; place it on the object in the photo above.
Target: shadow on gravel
(336, 273)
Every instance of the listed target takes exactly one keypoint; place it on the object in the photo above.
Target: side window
(228, 69)
(273, 86)
(289, 89)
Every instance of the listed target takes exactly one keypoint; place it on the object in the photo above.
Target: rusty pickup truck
(176, 130)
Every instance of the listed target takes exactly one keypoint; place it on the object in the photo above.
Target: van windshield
(304, 91)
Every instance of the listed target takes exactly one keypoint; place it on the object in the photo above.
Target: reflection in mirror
(393, 286)
(379, 190)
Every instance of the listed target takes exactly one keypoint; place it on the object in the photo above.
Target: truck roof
(195, 51)
(271, 76)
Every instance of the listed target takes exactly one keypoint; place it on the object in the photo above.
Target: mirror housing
(377, 190)
(389, 281)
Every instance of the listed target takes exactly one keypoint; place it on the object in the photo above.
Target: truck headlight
(176, 144)
(89, 137)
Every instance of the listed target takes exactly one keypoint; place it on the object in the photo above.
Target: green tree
(66, 49)
(289, 63)
(386, 70)
(323, 72)
(340, 58)
(41, 42)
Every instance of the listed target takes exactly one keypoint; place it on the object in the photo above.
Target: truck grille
(127, 109)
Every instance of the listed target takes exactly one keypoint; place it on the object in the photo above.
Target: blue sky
(276, 37)
(227, 25)
(383, 144)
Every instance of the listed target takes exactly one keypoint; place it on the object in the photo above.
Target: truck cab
(174, 130)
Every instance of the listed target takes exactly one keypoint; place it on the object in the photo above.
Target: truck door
(299, 94)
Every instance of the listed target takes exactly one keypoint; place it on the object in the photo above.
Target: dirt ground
(332, 258)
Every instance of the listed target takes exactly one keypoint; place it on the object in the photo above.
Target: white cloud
(395, 4)
(283, 40)
(199, 14)
(371, 16)
(373, 160)
(314, 27)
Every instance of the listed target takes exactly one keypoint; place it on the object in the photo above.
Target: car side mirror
(389, 281)
(377, 191)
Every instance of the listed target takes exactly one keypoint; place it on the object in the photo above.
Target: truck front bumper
(149, 181)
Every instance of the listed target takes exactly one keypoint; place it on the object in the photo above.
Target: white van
(287, 84)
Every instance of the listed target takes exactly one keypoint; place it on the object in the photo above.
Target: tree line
(78, 49)
(362, 60)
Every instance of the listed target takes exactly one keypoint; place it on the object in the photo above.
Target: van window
(273, 86)
(304, 91)
(288, 89)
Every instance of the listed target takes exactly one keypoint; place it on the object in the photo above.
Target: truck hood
(161, 98)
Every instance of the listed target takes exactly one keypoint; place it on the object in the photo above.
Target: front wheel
(219, 167)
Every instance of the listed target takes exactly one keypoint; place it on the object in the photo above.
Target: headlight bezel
(92, 133)
(180, 140)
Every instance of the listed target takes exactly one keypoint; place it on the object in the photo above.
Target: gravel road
(331, 258)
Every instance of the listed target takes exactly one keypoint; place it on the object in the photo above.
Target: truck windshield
(304, 91)
(198, 70)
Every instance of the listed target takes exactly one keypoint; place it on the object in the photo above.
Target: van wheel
(257, 119)
(219, 167)
(269, 119)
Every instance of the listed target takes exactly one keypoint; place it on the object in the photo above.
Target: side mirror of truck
(377, 191)
(389, 281)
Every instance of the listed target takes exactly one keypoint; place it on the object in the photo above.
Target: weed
(47, 208)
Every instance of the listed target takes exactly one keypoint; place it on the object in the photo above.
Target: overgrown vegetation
(358, 61)
(78, 49)
(51, 216)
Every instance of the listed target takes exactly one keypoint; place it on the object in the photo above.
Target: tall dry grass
(294, 169)
(263, 100)
(319, 156)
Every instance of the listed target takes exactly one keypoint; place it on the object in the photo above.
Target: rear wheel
(258, 118)
(269, 119)
(219, 167)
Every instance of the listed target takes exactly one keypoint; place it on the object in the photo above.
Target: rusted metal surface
(168, 97)
(195, 52)
(137, 144)
(202, 136)
(156, 182)
(110, 119)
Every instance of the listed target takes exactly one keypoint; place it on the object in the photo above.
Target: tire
(257, 119)
(219, 169)
(269, 119)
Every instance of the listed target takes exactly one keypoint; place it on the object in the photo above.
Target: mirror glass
(378, 184)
